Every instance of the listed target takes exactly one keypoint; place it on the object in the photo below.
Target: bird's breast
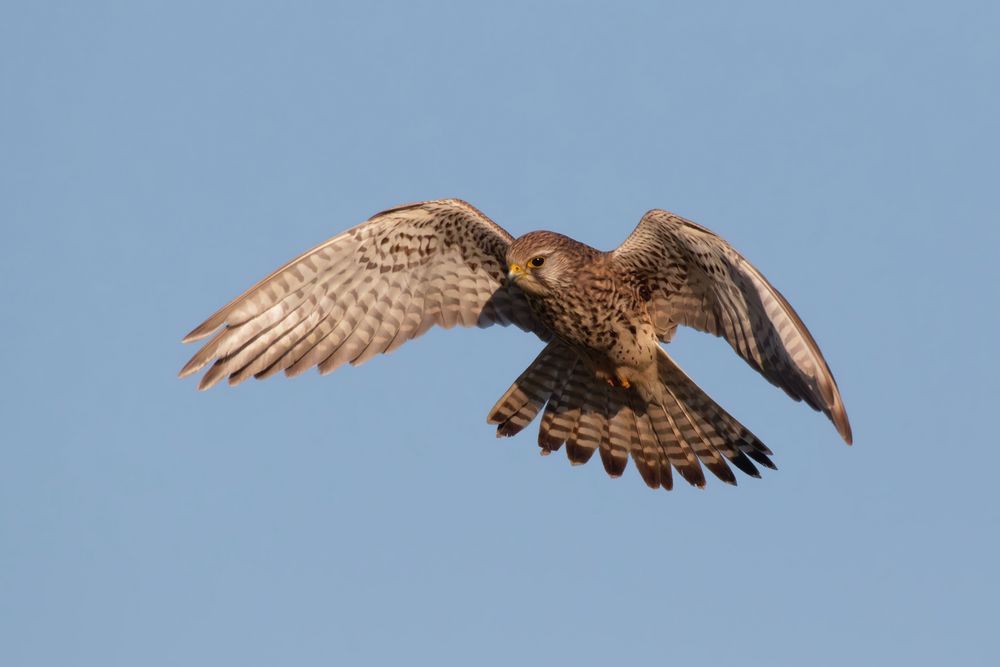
(595, 314)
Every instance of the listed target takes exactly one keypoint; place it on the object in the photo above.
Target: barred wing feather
(697, 279)
(365, 292)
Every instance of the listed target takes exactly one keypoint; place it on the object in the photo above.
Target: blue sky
(160, 157)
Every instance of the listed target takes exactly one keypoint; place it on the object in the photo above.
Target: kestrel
(603, 382)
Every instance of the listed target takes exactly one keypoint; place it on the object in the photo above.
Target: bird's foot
(618, 380)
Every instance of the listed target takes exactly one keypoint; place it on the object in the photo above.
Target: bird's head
(541, 263)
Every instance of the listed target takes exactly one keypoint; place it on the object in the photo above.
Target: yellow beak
(514, 270)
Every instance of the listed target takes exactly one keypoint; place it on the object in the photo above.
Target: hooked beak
(514, 271)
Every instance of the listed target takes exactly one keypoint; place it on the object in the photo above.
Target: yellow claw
(624, 381)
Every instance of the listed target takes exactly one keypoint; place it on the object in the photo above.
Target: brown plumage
(602, 383)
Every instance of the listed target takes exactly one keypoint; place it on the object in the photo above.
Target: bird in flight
(603, 382)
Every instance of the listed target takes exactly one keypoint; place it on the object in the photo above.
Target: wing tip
(838, 415)
(844, 428)
(193, 365)
(203, 330)
(208, 381)
(194, 335)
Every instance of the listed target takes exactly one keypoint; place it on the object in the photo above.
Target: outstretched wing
(697, 279)
(364, 292)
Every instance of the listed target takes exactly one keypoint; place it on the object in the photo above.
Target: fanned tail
(687, 419)
(682, 428)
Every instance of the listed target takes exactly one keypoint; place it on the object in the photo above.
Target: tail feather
(696, 433)
(679, 453)
(530, 391)
(557, 421)
(551, 435)
(680, 427)
(727, 435)
(621, 434)
(591, 424)
(650, 457)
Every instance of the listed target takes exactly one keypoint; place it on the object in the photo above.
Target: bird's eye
(536, 262)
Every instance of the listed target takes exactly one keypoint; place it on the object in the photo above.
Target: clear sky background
(157, 158)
